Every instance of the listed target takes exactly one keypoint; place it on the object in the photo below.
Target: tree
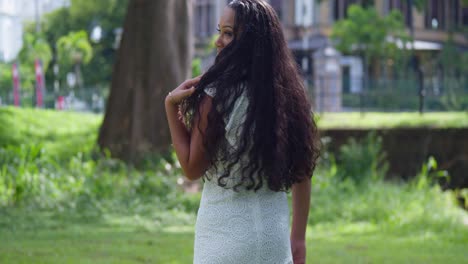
(73, 50)
(367, 34)
(83, 15)
(453, 65)
(6, 81)
(153, 58)
(34, 47)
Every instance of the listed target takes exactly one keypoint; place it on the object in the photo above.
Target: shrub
(352, 190)
(362, 161)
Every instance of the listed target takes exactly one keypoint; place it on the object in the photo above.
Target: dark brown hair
(279, 135)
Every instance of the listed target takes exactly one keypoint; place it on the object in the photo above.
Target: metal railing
(332, 94)
(349, 95)
(82, 100)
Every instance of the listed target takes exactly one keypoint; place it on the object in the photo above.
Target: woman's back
(240, 226)
(251, 141)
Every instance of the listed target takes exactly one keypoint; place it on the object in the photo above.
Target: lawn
(74, 207)
(105, 243)
(392, 120)
(61, 134)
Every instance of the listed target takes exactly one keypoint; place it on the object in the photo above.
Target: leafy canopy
(366, 33)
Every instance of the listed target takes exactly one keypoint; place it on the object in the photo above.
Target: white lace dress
(244, 226)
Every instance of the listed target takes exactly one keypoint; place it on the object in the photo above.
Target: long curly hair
(279, 135)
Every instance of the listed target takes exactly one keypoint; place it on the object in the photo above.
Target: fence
(83, 100)
(326, 95)
(334, 94)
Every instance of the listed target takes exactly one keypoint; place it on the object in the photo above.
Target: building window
(464, 19)
(456, 13)
(402, 6)
(210, 20)
(435, 15)
(444, 15)
(340, 7)
(204, 18)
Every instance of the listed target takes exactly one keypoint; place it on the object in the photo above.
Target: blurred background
(88, 175)
(392, 55)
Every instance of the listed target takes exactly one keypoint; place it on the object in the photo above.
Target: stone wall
(408, 148)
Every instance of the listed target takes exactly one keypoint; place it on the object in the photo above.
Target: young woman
(248, 130)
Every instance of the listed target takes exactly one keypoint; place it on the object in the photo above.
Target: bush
(362, 161)
(29, 177)
(352, 190)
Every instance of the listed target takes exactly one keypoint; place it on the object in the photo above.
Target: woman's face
(225, 29)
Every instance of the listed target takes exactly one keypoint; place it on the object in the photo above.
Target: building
(308, 24)
(431, 26)
(431, 29)
(13, 13)
(11, 30)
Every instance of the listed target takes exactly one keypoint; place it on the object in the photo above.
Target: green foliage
(362, 161)
(62, 134)
(455, 83)
(420, 4)
(341, 195)
(428, 176)
(212, 44)
(34, 47)
(462, 197)
(28, 176)
(50, 162)
(74, 48)
(48, 170)
(6, 79)
(83, 16)
(379, 120)
(365, 32)
(196, 67)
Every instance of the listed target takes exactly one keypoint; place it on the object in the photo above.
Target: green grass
(58, 130)
(392, 120)
(88, 210)
(97, 245)
(62, 134)
(87, 237)
(365, 243)
(380, 223)
(135, 243)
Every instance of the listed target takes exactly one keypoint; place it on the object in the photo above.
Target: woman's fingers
(186, 89)
(189, 91)
(193, 82)
(178, 96)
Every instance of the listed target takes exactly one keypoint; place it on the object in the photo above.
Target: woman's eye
(229, 34)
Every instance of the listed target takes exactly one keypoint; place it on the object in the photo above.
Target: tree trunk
(153, 58)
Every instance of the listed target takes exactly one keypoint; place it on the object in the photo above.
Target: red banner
(16, 84)
(40, 83)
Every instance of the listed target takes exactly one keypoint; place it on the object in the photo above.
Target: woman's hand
(183, 91)
(298, 248)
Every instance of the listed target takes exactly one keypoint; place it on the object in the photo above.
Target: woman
(248, 131)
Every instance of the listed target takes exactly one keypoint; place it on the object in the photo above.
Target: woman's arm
(188, 145)
(300, 208)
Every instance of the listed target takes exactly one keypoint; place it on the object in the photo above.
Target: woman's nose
(218, 42)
